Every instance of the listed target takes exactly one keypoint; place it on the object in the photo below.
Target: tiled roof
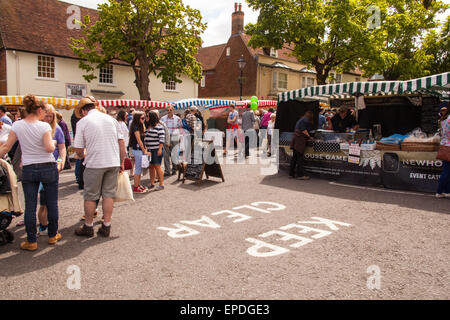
(283, 53)
(39, 26)
(209, 56)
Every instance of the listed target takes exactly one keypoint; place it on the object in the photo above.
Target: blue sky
(217, 13)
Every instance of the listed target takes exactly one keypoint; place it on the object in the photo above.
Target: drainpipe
(17, 72)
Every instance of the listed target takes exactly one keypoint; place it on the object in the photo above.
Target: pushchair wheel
(9, 236)
(3, 240)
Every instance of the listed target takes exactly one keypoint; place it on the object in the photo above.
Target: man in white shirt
(4, 132)
(174, 125)
(99, 134)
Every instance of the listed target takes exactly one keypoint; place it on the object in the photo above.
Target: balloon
(254, 106)
(254, 99)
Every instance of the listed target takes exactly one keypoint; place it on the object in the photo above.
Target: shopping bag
(124, 191)
(145, 161)
(127, 164)
(443, 153)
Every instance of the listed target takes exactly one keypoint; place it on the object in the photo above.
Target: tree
(400, 46)
(325, 34)
(153, 36)
(438, 46)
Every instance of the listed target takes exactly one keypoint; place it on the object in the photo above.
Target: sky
(217, 14)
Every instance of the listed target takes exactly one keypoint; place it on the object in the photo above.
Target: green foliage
(400, 45)
(335, 34)
(154, 36)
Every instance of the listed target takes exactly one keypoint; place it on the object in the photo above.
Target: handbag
(124, 191)
(127, 164)
(443, 153)
(145, 161)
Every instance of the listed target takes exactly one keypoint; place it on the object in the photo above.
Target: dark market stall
(396, 144)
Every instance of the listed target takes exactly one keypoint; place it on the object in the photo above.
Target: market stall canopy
(206, 103)
(60, 103)
(243, 104)
(435, 84)
(139, 104)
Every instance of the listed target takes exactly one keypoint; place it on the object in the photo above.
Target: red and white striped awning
(139, 104)
(261, 104)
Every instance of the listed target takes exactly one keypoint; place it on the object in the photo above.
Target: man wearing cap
(99, 134)
(343, 121)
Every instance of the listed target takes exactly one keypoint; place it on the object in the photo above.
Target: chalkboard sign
(195, 171)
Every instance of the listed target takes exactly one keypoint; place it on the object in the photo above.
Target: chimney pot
(235, 7)
(240, 7)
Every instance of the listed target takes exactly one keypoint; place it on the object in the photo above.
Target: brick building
(267, 71)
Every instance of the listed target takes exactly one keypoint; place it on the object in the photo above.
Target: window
(282, 81)
(307, 82)
(279, 80)
(106, 74)
(273, 52)
(202, 82)
(228, 51)
(171, 86)
(46, 67)
(339, 78)
(358, 79)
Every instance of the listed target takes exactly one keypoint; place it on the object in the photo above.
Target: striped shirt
(154, 137)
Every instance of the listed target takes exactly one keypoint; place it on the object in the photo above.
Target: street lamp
(241, 63)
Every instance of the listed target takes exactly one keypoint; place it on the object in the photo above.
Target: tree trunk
(322, 74)
(142, 78)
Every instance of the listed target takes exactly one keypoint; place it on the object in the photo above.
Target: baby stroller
(9, 202)
(6, 236)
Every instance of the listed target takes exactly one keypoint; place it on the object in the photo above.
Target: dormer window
(228, 51)
(273, 52)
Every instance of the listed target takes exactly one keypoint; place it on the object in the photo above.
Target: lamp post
(241, 63)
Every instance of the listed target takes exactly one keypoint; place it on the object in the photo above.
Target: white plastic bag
(124, 191)
(145, 161)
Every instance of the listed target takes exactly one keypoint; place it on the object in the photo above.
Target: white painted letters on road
(203, 222)
(232, 214)
(180, 232)
(287, 236)
(275, 206)
(305, 229)
(329, 223)
(256, 250)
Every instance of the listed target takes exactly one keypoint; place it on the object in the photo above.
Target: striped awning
(261, 103)
(350, 88)
(59, 103)
(206, 103)
(370, 88)
(139, 104)
(427, 83)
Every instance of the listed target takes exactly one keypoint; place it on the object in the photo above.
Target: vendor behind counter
(343, 121)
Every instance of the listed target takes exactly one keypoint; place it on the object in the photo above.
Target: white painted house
(35, 57)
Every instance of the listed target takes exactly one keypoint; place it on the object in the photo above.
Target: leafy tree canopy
(154, 36)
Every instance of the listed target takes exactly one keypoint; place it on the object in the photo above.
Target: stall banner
(414, 171)
(336, 166)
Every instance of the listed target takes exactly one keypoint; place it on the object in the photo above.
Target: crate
(419, 146)
(388, 146)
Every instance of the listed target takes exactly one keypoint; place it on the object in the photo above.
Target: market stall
(396, 146)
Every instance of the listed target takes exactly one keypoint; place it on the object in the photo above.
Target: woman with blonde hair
(39, 166)
(60, 157)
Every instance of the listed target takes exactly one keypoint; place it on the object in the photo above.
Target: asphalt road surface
(380, 244)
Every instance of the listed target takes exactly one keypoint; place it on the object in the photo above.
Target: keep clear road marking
(260, 249)
(379, 189)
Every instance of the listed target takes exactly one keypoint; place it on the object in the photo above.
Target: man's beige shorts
(100, 182)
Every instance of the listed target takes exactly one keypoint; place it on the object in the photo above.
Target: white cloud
(217, 14)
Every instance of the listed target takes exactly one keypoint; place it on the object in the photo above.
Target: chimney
(237, 19)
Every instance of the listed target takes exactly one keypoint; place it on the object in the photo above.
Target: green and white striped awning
(369, 88)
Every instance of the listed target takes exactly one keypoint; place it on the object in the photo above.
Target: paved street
(406, 235)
